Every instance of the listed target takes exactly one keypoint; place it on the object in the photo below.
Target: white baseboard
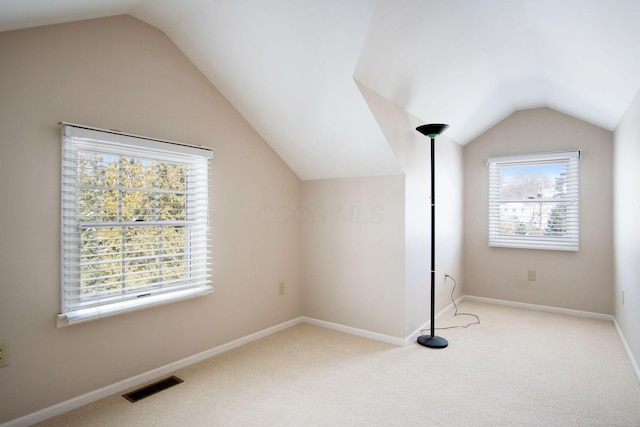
(377, 336)
(634, 365)
(355, 331)
(121, 386)
(537, 307)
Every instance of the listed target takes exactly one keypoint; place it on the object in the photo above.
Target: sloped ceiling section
(290, 67)
(472, 63)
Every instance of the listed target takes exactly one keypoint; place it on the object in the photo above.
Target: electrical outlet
(531, 275)
(4, 354)
(281, 288)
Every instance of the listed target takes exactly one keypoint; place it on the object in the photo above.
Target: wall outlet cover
(4, 354)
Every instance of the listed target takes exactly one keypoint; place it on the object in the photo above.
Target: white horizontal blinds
(534, 201)
(134, 221)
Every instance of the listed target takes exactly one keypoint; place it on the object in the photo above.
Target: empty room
(320, 213)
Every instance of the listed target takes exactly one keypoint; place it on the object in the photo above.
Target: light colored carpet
(517, 368)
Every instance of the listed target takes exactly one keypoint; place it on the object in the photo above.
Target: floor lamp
(432, 341)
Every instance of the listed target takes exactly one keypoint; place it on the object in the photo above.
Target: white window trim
(569, 243)
(102, 139)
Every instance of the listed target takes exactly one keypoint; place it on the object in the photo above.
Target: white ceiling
(290, 66)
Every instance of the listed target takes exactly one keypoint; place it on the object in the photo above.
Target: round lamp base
(432, 342)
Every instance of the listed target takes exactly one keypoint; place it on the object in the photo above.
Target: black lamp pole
(432, 341)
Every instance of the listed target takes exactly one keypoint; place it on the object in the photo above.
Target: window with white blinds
(533, 201)
(134, 223)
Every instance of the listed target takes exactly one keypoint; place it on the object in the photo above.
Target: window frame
(567, 242)
(193, 253)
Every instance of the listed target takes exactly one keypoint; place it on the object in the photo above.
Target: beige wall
(121, 73)
(627, 226)
(575, 280)
(449, 220)
(353, 252)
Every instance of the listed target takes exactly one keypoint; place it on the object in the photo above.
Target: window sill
(539, 246)
(94, 313)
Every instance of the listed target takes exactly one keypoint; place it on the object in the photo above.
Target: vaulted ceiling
(290, 67)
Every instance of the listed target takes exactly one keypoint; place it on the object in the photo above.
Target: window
(533, 201)
(134, 223)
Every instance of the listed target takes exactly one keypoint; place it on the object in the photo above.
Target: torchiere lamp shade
(432, 130)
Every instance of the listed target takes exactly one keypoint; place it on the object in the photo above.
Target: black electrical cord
(477, 322)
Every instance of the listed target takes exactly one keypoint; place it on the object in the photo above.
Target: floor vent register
(151, 389)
